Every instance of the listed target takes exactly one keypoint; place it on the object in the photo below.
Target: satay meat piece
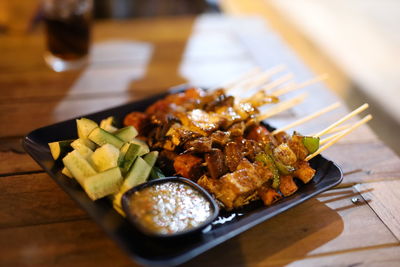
(233, 155)
(296, 145)
(215, 161)
(188, 166)
(268, 195)
(287, 185)
(236, 188)
(304, 171)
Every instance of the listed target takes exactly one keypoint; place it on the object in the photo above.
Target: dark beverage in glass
(67, 32)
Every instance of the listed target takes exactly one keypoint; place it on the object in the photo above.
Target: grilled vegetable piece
(60, 148)
(311, 143)
(269, 162)
(103, 184)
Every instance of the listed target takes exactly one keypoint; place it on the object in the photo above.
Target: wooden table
(41, 226)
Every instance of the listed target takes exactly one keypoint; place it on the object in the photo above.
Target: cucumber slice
(156, 173)
(60, 148)
(66, 172)
(85, 126)
(102, 137)
(151, 158)
(137, 174)
(108, 124)
(78, 166)
(130, 156)
(80, 146)
(105, 157)
(127, 133)
(103, 184)
(144, 148)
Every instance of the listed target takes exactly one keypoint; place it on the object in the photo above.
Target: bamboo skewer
(329, 138)
(345, 118)
(307, 118)
(277, 82)
(250, 79)
(262, 78)
(282, 107)
(245, 76)
(338, 129)
(339, 136)
(293, 87)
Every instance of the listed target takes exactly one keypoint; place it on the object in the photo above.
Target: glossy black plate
(149, 251)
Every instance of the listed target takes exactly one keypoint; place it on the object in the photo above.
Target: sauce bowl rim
(202, 191)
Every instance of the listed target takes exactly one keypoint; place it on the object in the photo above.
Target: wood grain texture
(384, 199)
(329, 227)
(34, 199)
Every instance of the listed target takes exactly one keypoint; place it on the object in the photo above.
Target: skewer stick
(339, 129)
(345, 118)
(262, 78)
(340, 136)
(329, 138)
(250, 78)
(232, 83)
(307, 118)
(277, 82)
(282, 107)
(293, 87)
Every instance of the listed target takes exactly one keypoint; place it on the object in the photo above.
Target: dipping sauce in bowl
(169, 207)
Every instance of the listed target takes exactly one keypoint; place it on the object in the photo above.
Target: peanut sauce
(169, 207)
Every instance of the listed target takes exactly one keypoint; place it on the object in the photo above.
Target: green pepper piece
(268, 161)
(284, 169)
(311, 143)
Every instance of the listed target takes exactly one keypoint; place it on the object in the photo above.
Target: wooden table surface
(41, 226)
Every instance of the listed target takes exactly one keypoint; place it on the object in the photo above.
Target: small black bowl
(193, 231)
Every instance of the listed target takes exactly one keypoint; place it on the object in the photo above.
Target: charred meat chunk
(215, 161)
(200, 145)
(188, 166)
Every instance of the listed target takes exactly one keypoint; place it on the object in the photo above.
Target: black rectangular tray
(154, 252)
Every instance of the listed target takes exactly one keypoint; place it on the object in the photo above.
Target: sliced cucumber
(85, 126)
(60, 148)
(136, 175)
(78, 166)
(130, 156)
(103, 184)
(144, 148)
(156, 173)
(66, 172)
(108, 124)
(151, 158)
(102, 137)
(127, 133)
(80, 146)
(105, 157)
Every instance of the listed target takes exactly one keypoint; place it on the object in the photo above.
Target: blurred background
(357, 42)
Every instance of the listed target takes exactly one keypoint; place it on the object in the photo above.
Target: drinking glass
(68, 24)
